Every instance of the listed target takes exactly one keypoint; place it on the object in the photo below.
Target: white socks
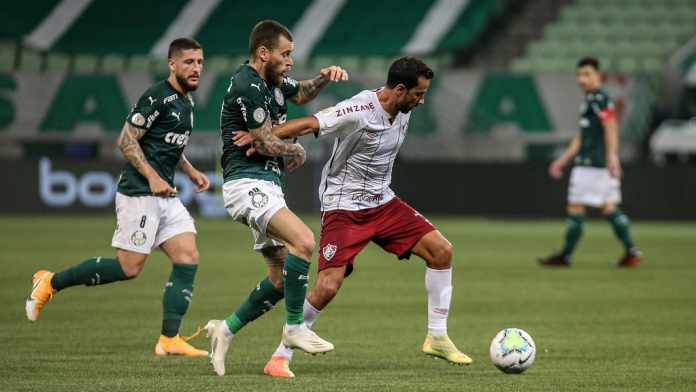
(438, 284)
(226, 329)
(310, 316)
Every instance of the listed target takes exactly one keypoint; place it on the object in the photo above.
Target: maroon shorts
(394, 226)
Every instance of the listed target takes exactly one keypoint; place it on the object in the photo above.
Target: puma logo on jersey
(177, 139)
(256, 85)
(152, 100)
(177, 115)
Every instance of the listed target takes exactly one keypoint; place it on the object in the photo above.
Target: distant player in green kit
(256, 101)
(148, 213)
(595, 178)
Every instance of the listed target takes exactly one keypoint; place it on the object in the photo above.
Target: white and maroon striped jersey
(358, 173)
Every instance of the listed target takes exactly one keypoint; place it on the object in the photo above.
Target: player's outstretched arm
(309, 89)
(197, 177)
(297, 127)
(556, 167)
(289, 130)
(130, 148)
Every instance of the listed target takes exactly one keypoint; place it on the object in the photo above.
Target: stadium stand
(629, 35)
(86, 37)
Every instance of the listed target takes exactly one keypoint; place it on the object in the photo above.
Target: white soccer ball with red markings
(512, 350)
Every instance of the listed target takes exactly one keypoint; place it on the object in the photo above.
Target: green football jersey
(596, 108)
(249, 101)
(167, 117)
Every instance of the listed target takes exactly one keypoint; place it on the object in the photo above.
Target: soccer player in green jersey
(256, 101)
(595, 178)
(148, 213)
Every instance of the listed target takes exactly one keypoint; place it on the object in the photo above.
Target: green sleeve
(146, 111)
(290, 87)
(602, 105)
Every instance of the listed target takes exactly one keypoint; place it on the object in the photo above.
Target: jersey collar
(380, 108)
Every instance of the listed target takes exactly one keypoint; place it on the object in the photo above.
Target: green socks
(265, 296)
(260, 300)
(91, 272)
(576, 224)
(296, 278)
(621, 225)
(177, 297)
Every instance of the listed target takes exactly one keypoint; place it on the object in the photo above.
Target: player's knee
(276, 281)
(442, 256)
(188, 256)
(132, 267)
(328, 288)
(194, 256)
(447, 251)
(131, 263)
(575, 209)
(305, 247)
(608, 210)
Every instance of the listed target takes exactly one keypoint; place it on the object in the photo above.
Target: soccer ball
(512, 350)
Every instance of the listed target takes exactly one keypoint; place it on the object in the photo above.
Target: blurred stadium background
(503, 104)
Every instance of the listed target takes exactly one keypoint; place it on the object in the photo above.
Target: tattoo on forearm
(309, 89)
(267, 143)
(129, 146)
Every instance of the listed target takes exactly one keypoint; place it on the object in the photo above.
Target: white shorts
(253, 203)
(593, 186)
(143, 222)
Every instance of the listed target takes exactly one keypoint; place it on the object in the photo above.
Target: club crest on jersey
(138, 119)
(258, 198)
(259, 115)
(329, 251)
(279, 97)
(138, 238)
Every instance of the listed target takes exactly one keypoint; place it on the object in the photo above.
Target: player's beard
(406, 108)
(183, 82)
(274, 72)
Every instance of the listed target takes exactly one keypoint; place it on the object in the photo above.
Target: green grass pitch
(596, 328)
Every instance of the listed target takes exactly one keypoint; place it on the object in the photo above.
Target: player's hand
(161, 188)
(556, 169)
(614, 166)
(297, 161)
(242, 138)
(201, 180)
(334, 73)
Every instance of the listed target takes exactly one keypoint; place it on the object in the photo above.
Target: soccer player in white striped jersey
(358, 205)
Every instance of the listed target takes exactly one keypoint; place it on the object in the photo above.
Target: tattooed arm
(269, 144)
(130, 148)
(309, 89)
(266, 143)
